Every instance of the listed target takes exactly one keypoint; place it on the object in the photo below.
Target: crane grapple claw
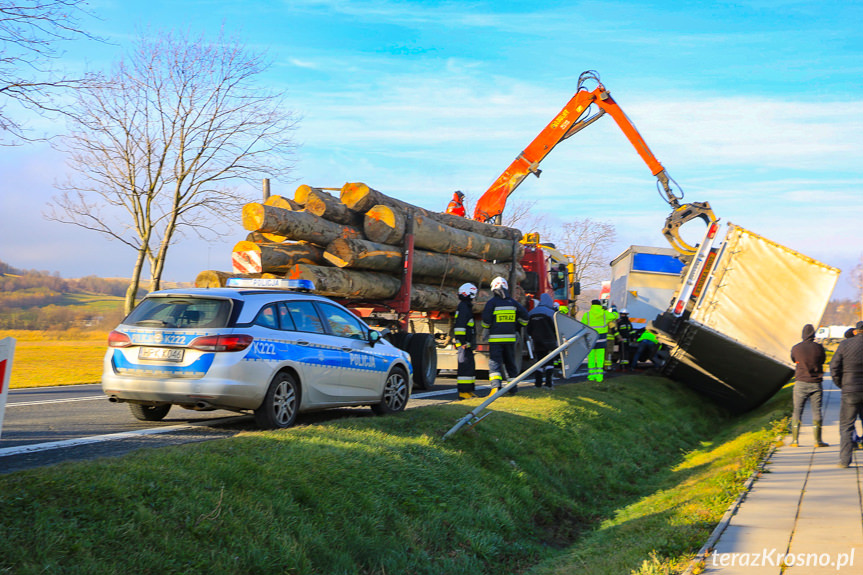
(681, 215)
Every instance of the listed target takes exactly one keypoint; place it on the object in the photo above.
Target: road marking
(47, 446)
(45, 401)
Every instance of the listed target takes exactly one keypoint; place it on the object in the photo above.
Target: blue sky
(756, 107)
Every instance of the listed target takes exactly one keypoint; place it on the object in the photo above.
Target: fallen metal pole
(473, 416)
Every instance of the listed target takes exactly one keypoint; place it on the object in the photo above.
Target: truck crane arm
(572, 119)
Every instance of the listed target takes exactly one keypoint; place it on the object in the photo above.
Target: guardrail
(473, 417)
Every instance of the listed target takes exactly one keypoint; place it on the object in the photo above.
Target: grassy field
(56, 358)
(624, 477)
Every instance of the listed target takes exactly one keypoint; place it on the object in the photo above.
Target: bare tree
(857, 282)
(521, 215)
(588, 241)
(161, 144)
(30, 32)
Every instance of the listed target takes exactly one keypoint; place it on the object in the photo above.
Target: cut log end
(353, 195)
(253, 216)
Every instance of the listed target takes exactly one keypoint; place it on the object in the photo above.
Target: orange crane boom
(569, 121)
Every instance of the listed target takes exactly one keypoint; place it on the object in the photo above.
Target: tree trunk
(446, 269)
(361, 198)
(250, 257)
(338, 282)
(362, 285)
(294, 225)
(301, 196)
(284, 203)
(385, 224)
(132, 290)
(330, 208)
(216, 279)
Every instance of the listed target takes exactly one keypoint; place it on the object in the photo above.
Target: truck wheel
(149, 412)
(423, 352)
(400, 339)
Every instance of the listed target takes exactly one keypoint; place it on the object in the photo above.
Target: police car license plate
(161, 353)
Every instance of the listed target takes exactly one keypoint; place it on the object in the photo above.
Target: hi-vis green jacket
(501, 317)
(597, 318)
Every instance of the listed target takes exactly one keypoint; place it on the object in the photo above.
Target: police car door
(364, 370)
(313, 352)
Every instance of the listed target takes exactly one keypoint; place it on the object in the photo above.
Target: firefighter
(597, 318)
(502, 317)
(624, 332)
(465, 341)
(456, 205)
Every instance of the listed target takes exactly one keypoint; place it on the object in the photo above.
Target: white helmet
(498, 283)
(624, 312)
(467, 290)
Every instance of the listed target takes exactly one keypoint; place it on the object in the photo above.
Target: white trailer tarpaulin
(762, 293)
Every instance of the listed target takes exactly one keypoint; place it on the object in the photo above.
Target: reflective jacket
(465, 330)
(597, 318)
(455, 207)
(502, 318)
(649, 337)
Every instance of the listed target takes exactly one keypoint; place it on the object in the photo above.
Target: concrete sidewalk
(803, 505)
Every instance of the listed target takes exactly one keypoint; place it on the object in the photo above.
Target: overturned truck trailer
(740, 309)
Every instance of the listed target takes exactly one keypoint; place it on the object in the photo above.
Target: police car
(251, 348)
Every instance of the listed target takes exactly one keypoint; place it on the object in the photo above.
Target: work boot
(465, 395)
(818, 442)
(538, 380)
(795, 431)
(549, 378)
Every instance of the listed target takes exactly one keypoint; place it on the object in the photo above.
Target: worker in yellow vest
(597, 318)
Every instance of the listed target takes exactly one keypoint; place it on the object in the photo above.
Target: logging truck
(397, 265)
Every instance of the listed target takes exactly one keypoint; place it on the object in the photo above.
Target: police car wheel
(395, 396)
(281, 403)
(149, 412)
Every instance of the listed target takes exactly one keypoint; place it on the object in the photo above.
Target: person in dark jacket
(464, 333)
(846, 367)
(809, 357)
(540, 328)
(502, 317)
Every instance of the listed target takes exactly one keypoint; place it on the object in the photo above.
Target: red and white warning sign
(247, 262)
(7, 349)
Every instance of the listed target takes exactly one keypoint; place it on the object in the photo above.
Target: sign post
(7, 349)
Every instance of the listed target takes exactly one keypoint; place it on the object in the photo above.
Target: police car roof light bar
(271, 283)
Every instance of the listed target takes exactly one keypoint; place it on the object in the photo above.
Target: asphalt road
(49, 425)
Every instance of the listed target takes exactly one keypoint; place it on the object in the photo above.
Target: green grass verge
(546, 471)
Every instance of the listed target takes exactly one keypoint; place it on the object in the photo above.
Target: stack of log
(352, 246)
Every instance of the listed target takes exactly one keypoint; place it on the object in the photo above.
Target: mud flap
(573, 356)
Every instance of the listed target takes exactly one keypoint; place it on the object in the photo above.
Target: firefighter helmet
(624, 312)
(499, 283)
(467, 290)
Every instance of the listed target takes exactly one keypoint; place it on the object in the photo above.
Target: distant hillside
(40, 300)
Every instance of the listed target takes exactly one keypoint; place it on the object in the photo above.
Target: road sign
(7, 349)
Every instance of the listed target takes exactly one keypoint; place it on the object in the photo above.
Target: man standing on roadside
(809, 357)
(846, 367)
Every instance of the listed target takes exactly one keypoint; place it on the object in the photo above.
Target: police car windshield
(180, 312)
